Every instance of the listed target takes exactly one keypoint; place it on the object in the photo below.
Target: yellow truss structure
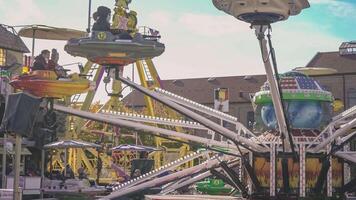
(149, 78)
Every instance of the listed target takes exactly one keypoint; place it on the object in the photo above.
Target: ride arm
(237, 139)
(183, 183)
(211, 112)
(344, 129)
(142, 127)
(275, 90)
(213, 162)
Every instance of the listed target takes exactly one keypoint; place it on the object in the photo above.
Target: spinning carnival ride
(110, 51)
(302, 152)
(295, 158)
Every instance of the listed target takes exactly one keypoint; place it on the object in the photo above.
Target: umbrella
(36, 31)
(64, 144)
(129, 147)
(50, 32)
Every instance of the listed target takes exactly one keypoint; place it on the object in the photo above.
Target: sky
(200, 40)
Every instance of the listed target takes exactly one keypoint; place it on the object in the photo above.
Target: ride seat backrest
(45, 74)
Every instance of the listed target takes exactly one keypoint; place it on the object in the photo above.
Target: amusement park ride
(123, 44)
(300, 151)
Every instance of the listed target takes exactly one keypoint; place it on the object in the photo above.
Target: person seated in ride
(136, 173)
(122, 19)
(53, 65)
(53, 62)
(102, 18)
(41, 61)
(69, 174)
(82, 174)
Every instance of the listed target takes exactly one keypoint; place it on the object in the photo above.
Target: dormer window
(2, 57)
(348, 48)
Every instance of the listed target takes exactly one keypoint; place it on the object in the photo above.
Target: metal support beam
(43, 165)
(168, 167)
(189, 181)
(209, 111)
(4, 163)
(322, 176)
(233, 176)
(200, 119)
(285, 175)
(347, 169)
(274, 89)
(17, 189)
(142, 127)
(212, 163)
(249, 181)
(344, 129)
(302, 154)
(272, 171)
(329, 181)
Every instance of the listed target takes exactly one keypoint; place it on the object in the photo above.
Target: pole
(42, 170)
(97, 167)
(65, 163)
(89, 17)
(274, 90)
(16, 186)
(4, 163)
(50, 164)
(33, 46)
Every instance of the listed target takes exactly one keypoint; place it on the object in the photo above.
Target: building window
(2, 57)
(250, 119)
(351, 97)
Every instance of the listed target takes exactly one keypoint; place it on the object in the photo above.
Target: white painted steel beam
(143, 127)
(155, 120)
(212, 163)
(350, 156)
(209, 111)
(187, 182)
(170, 166)
(198, 118)
(196, 106)
(332, 135)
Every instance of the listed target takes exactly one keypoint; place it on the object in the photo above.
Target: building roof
(202, 89)
(9, 40)
(342, 63)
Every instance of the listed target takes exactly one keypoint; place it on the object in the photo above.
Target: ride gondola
(44, 83)
(116, 47)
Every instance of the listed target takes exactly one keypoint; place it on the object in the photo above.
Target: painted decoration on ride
(337, 167)
(221, 99)
(293, 172)
(313, 167)
(312, 170)
(262, 169)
